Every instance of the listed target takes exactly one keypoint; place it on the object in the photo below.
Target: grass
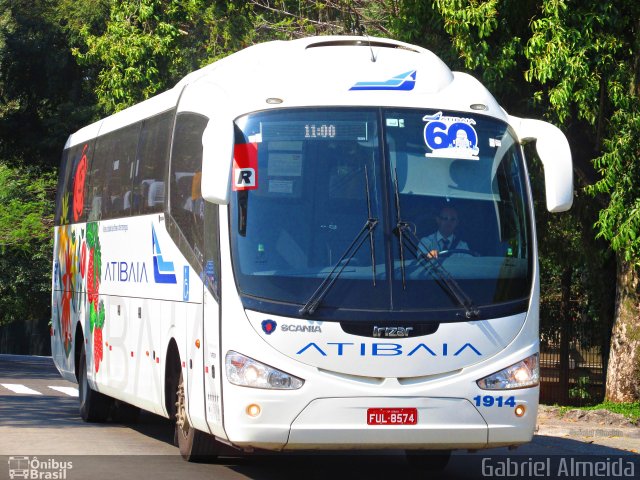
(629, 410)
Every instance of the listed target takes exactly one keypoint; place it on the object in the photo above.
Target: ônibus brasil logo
(27, 467)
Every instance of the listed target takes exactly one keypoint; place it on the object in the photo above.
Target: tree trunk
(623, 372)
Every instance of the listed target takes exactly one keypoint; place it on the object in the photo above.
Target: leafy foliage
(147, 44)
(26, 207)
(42, 95)
(25, 283)
(26, 220)
(619, 166)
(588, 53)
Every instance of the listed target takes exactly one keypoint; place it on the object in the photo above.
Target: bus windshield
(380, 214)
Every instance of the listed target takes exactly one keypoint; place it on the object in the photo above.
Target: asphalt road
(41, 431)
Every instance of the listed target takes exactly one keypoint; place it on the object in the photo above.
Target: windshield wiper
(322, 290)
(400, 228)
(372, 243)
(433, 265)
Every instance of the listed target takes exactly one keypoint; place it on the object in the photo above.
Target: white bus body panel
(151, 312)
(452, 347)
(329, 411)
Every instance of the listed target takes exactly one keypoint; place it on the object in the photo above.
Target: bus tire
(428, 460)
(194, 445)
(94, 406)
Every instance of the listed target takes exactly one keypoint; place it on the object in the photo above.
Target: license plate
(392, 416)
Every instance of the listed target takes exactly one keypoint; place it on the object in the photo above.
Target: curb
(587, 430)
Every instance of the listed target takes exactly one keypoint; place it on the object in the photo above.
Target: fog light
(520, 410)
(253, 410)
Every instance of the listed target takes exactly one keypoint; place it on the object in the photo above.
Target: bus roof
(316, 71)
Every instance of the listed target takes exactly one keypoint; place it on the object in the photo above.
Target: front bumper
(340, 423)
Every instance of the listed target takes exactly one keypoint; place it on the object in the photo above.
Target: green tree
(26, 207)
(148, 45)
(26, 221)
(550, 58)
(587, 56)
(43, 97)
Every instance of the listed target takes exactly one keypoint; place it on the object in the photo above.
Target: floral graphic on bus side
(95, 307)
(67, 277)
(78, 185)
(78, 270)
(64, 220)
(71, 257)
(70, 270)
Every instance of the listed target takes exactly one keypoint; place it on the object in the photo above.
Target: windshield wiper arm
(400, 227)
(346, 257)
(337, 269)
(372, 243)
(443, 277)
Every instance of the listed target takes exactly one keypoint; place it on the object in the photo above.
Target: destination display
(315, 130)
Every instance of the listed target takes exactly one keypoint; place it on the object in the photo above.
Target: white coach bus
(250, 254)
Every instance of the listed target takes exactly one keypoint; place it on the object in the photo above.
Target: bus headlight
(525, 373)
(247, 372)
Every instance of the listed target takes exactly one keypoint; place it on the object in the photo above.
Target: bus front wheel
(194, 445)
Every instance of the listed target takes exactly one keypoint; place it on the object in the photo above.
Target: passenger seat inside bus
(155, 196)
(342, 205)
(96, 209)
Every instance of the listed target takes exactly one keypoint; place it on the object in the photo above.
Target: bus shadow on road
(154, 426)
(42, 411)
(543, 453)
(552, 457)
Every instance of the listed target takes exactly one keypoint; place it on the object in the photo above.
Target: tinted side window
(148, 195)
(111, 175)
(186, 203)
(212, 249)
(70, 198)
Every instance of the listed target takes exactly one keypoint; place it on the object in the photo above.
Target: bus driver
(444, 238)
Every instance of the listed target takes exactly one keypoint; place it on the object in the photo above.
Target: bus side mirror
(217, 158)
(553, 149)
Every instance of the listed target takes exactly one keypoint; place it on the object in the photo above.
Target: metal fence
(29, 337)
(573, 364)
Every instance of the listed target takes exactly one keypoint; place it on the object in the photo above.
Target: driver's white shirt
(434, 242)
